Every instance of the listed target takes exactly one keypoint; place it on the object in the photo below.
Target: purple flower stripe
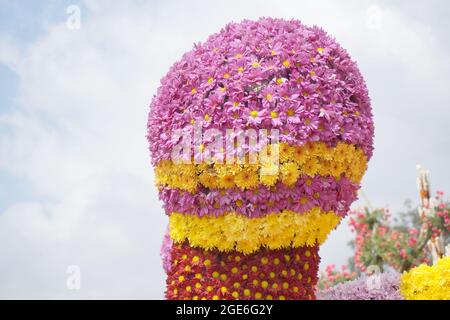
(384, 286)
(323, 192)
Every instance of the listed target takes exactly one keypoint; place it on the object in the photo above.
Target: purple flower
(253, 115)
(382, 286)
(323, 192)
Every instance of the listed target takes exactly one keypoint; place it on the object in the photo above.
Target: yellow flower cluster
(427, 283)
(240, 233)
(314, 158)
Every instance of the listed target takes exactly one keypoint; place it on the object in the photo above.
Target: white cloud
(78, 138)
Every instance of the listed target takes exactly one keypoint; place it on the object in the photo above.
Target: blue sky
(25, 22)
(76, 185)
(8, 83)
(11, 189)
(20, 21)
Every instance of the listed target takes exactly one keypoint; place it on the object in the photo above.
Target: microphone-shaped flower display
(259, 138)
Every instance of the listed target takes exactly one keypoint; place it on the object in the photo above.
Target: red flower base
(266, 274)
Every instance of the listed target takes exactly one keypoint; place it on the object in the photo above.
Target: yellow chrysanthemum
(268, 175)
(237, 232)
(336, 168)
(427, 282)
(312, 159)
(289, 173)
(208, 179)
(286, 152)
(311, 167)
(226, 180)
(247, 178)
(300, 155)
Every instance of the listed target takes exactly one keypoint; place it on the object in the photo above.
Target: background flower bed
(397, 244)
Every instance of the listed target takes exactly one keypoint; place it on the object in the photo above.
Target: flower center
(253, 113)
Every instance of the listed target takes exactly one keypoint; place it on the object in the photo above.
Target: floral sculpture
(379, 286)
(252, 229)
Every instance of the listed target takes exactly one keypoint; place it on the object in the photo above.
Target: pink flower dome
(269, 73)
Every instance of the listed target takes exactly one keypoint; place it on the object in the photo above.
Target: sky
(76, 185)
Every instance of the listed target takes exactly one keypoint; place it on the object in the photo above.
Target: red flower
(403, 253)
(276, 274)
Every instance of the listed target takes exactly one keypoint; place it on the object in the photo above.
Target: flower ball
(241, 227)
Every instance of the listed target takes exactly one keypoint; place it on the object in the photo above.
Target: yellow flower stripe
(427, 283)
(240, 233)
(312, 159)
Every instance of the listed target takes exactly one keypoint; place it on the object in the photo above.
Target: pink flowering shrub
(332, 276)
(382, 242)
(402, 246)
